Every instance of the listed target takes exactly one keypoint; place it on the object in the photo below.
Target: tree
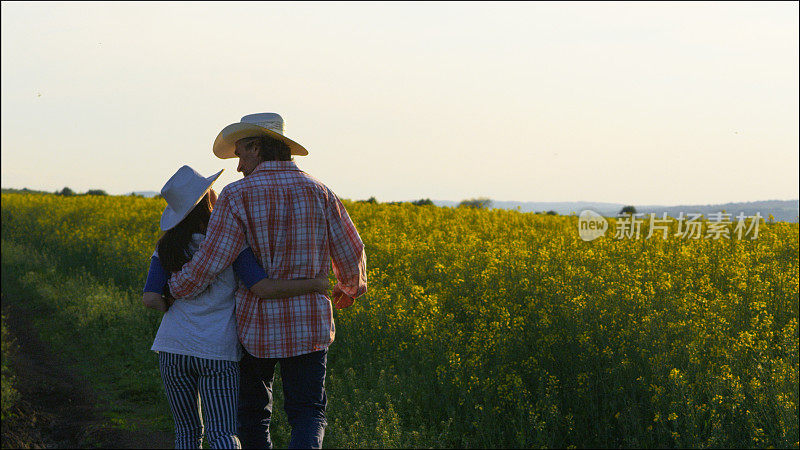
(552, 213)
(628, 210)
(476, 203)
(370, 200)
(96, 192)
(67, 192)
(423, 202)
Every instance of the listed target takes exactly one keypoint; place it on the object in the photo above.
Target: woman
(197, 343)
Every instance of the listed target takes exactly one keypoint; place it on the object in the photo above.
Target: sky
(635, 103)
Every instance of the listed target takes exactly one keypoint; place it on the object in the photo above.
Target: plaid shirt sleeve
(225, 239)
(346, 249)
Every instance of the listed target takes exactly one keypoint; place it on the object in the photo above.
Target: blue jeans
(304, 401)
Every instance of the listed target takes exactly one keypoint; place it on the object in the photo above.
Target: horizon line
(493, 200)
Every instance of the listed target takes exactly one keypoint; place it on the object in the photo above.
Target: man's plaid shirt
(295, 226)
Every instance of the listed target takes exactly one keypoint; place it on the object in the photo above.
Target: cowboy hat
(251, 125)
(182, 192)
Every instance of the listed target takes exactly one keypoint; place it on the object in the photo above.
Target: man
(295, 226)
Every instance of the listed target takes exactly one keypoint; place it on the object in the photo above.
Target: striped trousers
(201, 393)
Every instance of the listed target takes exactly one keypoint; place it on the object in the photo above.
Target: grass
(93, 325)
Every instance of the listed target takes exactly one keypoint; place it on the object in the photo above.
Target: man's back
(295, 225)
(283, 210)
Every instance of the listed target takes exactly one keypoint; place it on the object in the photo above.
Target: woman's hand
(339, 299)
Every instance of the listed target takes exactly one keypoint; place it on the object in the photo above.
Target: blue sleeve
(248, 268)
(156, 277)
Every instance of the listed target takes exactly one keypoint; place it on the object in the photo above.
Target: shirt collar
(276, 165)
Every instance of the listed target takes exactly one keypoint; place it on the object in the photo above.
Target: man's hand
(339, 299)
(168, 298)
(155, 301)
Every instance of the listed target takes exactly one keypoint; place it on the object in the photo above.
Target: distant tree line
(480, 203)
(67, 192)
(476, 203)
(473, 203)
(420, 202)
(22, 191)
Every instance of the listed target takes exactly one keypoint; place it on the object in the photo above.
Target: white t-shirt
(204, 325)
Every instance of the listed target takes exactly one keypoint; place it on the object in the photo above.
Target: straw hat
(251, 125)
(182, 192)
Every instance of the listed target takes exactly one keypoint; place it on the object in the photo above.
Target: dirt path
(57, 407)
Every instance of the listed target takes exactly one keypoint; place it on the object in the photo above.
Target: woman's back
(204, 325)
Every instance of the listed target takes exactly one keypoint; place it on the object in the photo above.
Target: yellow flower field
(495, 328)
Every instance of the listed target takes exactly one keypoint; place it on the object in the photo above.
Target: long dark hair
(173, 247)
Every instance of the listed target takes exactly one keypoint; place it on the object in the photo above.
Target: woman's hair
(173, 247)
(269, 149)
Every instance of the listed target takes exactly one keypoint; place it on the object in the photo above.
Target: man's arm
(225, 238)
(347, 254)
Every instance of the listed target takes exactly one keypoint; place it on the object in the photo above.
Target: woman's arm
(154, 287)
(268, 289)
(253, 276)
